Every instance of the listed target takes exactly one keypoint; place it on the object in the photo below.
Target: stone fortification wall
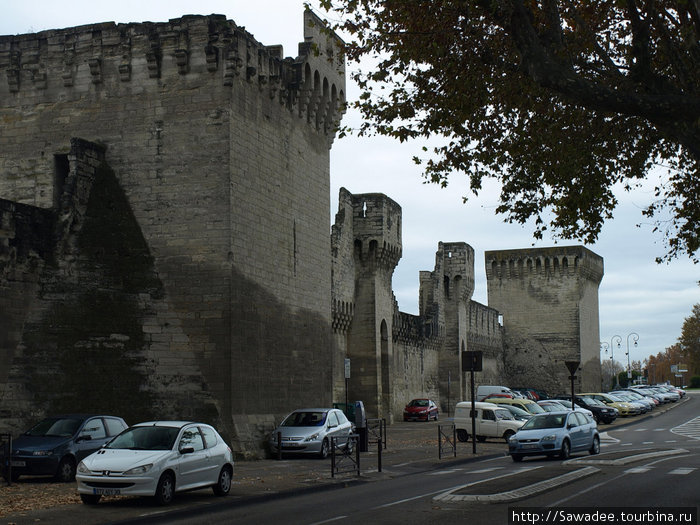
(221, 148)
(485, 334)
(549, 301)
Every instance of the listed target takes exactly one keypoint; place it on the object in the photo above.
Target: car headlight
(138, 470)
(82, 469)
(550, 437)
(313, 437)
(42, 452)
(513, 439)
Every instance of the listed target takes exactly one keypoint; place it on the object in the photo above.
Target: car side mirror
(187, 450)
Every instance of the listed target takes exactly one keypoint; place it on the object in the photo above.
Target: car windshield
(56, 427)
(545, 421)
(305, 419)
(146, 438)
(418, 403)
(534, 408)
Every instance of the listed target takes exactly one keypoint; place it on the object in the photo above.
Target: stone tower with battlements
(366, 246)
(549, 301)
(175, 180)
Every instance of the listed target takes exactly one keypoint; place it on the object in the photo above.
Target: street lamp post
(612, 355)
(635, 338)
(604, 345)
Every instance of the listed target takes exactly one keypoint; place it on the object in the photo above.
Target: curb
(627, 459)
(517, 494)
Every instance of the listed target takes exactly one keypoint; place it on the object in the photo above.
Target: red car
(420, 409)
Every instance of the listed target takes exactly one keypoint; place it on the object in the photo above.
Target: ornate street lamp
(635, 338)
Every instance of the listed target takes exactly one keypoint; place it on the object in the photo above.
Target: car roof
(314, 409)
(174, 424)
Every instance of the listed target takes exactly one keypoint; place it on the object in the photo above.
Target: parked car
(484, 390)
(309, 431)
(555, 434)
(602, 413)
(624, 409)
(157, 458)
(55, 445)
(525, 404)
(518, 413)
(634, 397)
(490, 421)
(420, 409)
(566, 403)
(551, 406)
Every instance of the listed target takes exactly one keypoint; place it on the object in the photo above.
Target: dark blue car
(57, 444)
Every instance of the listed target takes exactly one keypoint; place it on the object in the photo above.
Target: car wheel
(517, 457)
(595, 447)
(66, 470)
(565, 450)
(223, 484)
(508, 434)
(165, 491)
(436, 416)
(324, 449)
(90, 499)
(349, 445)
(462, 435)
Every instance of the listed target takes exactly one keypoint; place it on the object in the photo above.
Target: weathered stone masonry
(220, 146)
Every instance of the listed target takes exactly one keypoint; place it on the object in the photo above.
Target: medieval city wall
(547, 297)
(221, 148)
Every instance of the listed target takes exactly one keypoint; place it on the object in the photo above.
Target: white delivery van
(484, 390)
(491, 421)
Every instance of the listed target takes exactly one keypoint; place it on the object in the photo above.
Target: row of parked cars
(107, 457)
(157, 458)
(549, 426)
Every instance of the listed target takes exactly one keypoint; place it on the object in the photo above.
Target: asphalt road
(653, 463)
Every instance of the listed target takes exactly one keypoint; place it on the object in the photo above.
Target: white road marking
(683, 471)
(637, 470)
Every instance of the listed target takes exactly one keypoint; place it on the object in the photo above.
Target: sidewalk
(411, 447)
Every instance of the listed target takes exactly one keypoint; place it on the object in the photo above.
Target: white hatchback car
(158, 459)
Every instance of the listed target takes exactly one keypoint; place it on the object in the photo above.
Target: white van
(491, 421)
(485, 390)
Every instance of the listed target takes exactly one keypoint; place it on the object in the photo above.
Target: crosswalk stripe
(682, 471)
(637, 470)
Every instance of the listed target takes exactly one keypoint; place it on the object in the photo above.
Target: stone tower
(193, 164)
(549, 301)
(362, 286)
(445, 294)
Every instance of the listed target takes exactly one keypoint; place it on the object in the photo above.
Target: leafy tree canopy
(560, 100)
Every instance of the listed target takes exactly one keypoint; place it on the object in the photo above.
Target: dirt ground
(31, 493)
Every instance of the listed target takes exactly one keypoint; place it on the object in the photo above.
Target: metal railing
(447, 441)
(376, 431)
(345, 458)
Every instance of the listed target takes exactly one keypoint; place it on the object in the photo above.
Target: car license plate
(14, 463)
(106, 492)
(529, 445)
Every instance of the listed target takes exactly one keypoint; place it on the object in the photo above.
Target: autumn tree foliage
(560, 100)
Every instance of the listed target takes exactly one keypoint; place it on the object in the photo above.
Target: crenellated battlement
(555, 261)
(123, 59)
(377, 230)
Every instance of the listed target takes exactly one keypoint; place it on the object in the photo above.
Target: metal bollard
(379, 454)
(279, 446)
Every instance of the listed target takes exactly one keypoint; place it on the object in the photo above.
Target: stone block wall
(549, 301)
(220, 146)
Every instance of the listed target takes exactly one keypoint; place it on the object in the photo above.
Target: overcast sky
(636, 294)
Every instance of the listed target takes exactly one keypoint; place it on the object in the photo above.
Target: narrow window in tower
(61, 171)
